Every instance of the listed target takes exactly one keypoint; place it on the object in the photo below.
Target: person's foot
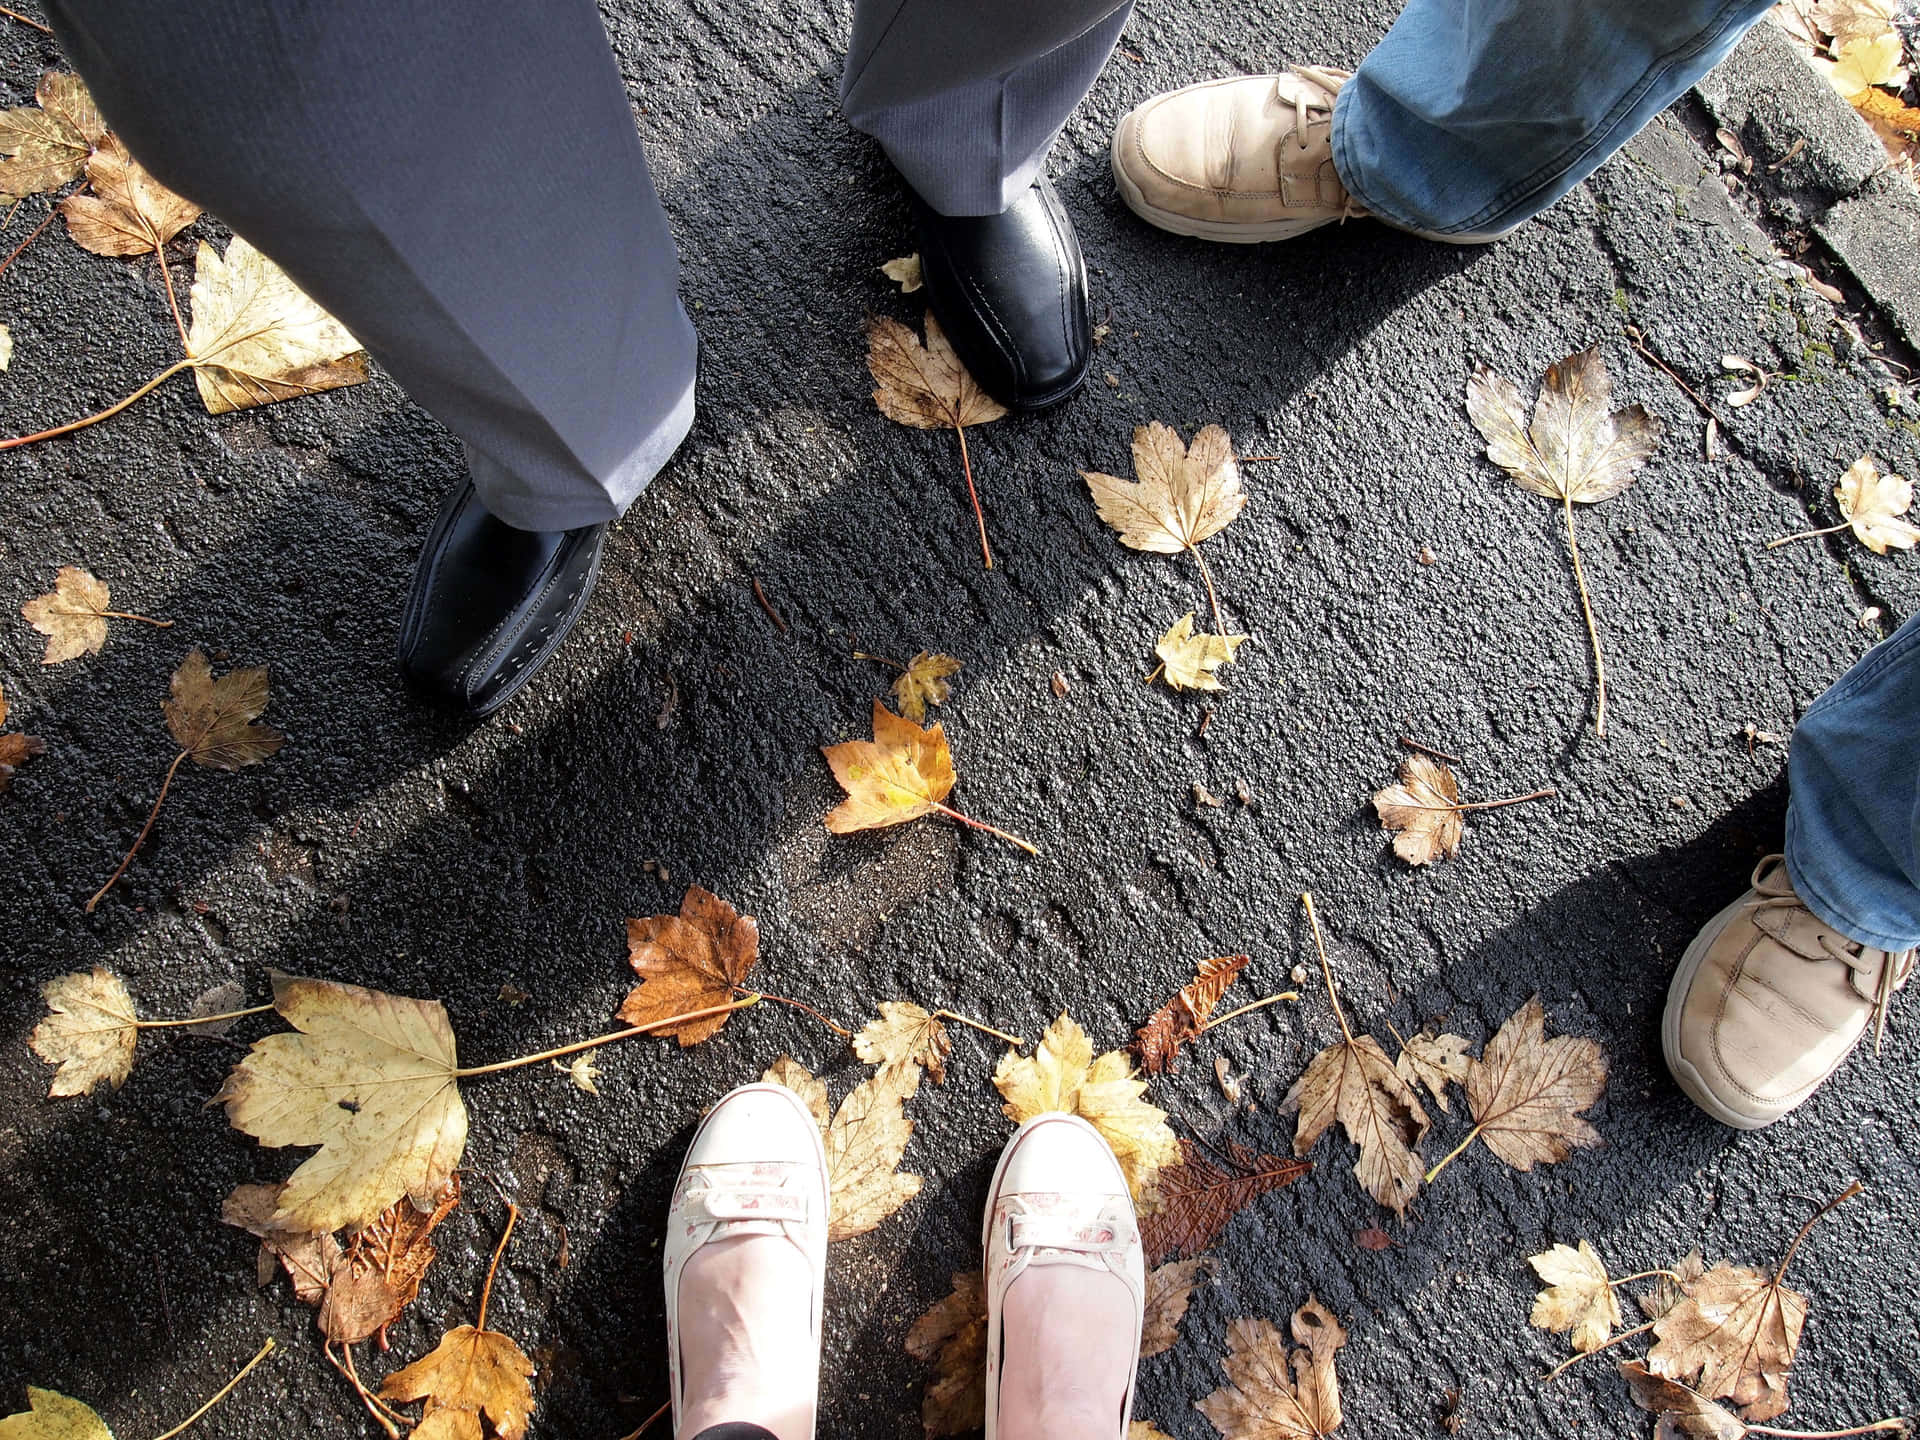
(1010, 290)
(745, 1267)
(1768, 1001)
(1065, 1285)
(490, 604)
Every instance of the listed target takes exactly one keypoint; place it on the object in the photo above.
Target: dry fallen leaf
(1873, 503)
(905, 1034)
(952, 1335)
(16, 749)
(470, 1373)
(1861, 64)
(370, 1079)
(1423, 811)
(1684, 1414)
(904, 772)
(90, 1031)
(904, 272)
(1526, 1092)
(691, 961)
(1434, 1061)
(1169, 1290)
(1577, 450)
(923, 683)
(1180, 1019)
(52, 1416)
(1667, 1291)
(1737, 1330)
(1145, 1430)
(1189, 660)
(1182, 496)
(6, 347)
(72, 615)
(309, 1259)
(926, 387)
(1062, 1074)
(864, 1142)
(45, 147)
(582, 1071)
(257, 338)
(1192, 1200)
(1272, 1394)
(1848, 20)
(129, 212)
(1579, 1300)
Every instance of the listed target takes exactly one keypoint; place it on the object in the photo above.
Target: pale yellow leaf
(905, 1034)
(1579, 1301)
(803, 1082)
(1859, 65)
(864, 1142)
(1182, 495)
(1435, 1062)
(924, 386)
(904, 272)
(90, 1031)
(1423, 811)
(1191, 660)
(257, 338)
(1274, 1394)
(52, 1416)
(1577, 447)
(1873, 504)
(72, 615)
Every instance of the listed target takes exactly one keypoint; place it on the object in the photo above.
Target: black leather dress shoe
(491, 603)
(1010, 290)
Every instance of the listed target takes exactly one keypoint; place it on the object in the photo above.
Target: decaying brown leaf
(257, 338)
(1169, 1290)
(923, 683)
(471, 1373)
(129, 212)
(952, 1336)
(1274, 1394)
(1526, 1092)
(1063, 1074)
(904, 772)
(1434, 1061)
(90, 1031)
(15, 749)
(864, 1142)
(52, 1416)
(1737, 1330)
(905, 1034)
(72, 615)
(1183, 495)
(1579, 1300)
(1189, 661)
(43, 147)
(1192, 1200)
(370, 1079)
(1873, 503)
(1180, 1019)
(695, 960)
(1423, 811)
(1683, 1412)
(1577, 450)
(309, 1259)
(927, 387)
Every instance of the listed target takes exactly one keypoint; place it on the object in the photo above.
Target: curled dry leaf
(923, 683)
(370, 1079)
(1435, 1062)
(1274, 1394)
(905, 1034)
(470, 1373)
(1192, 1200)
(43, 148)
(15, 749)
(129, 212)
(1423, 811)
(582, 1071)
(52, 1416)
(904, 272)
(1189, 660)
(1736, 1329)
(1062, 1074)
(1579, 1300)
(72, 615)
(1872, 504)
(257, 338)
(90, 1031)
(1684, 1414)
(952, 1336)
(1169, 1290)
(310, 1260)
(864, 1142)
(691, 961)
(1180, 1019)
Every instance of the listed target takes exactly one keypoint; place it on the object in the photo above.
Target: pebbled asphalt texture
(399, 849)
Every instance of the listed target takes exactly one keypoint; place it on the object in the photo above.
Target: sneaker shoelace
(1887, 970)
(1313, 105)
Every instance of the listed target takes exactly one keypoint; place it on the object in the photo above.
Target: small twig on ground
(840, 1030)
(467, 1072)
(1569, 1363)
(767, 605)
(979, 517)
(641, 1428)
(1435, 752)
(222, 1393)
(28, 241)
(141, 839)
(1638, 342)
(25, 20)
(1245, 1010)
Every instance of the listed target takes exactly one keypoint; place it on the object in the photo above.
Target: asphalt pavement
(675, 740)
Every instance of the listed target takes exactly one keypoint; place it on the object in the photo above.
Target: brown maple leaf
(904, 772)
(74, 614)
(1274, 1394)
(15, 749)
(129, 212)
(1526, 1092)
(1737, 1329)
(952, 1336)
(309, 1259)
(905, 1034)
(1180, 1019)
(214, 722)
(45, 147)
(1169, 1290)
(923, 682)
(1434, 1061)
(927, 387)
(695, 960)
(1424, 811)
(1192, 1201)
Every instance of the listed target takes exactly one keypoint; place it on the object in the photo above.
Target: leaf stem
(1452, 1155)
(641, 1428)
(1807, 534)
(1847, 1194)
(798, 1005)
(1565, 1365)
(200, 1019)
(1011, 839)
(1246, 1009)
(1483, 804)
(486, 1290)
(884, 660)
(1326, 969)
(145, 830)
(767, 605)
(29, 240)
(106, 414)
(1646, 1275)
(375, 1406)
(1586, 604)
(980, 519)
(959, 1019)
(1635, 340)
(222, 1393)
(467, 1072)
(123, 615)
(1895, 1424)
(173, 302)
(1412, 744)
(1219, 625)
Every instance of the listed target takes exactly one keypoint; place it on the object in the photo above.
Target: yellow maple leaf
(90, 1031)
(1873, 504)
(1579, 1300)
(1189, 660)
(43, 148)
(257, 338)
(471, 1373)
(923, 683)
(905, 1034)
(1182, 496)
(52, 1416)
(904, 772)
(865, 1141)
(72, 615)
(1863, 63)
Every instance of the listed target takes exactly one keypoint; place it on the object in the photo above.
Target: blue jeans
(1853, 820)
(1471, 116)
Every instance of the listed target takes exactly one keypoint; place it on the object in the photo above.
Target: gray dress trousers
(460, 182)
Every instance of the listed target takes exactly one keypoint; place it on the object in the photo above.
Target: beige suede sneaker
(1768, 1002)
(1240, 160)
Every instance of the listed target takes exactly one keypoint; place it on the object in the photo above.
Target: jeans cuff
(1815, 897)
